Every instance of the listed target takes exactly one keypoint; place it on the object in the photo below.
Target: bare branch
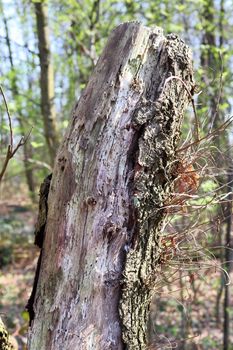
(9, 117)
(10, 149)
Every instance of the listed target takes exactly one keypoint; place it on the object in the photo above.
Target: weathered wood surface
(113, 174)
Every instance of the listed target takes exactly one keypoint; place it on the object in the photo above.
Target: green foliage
(37, 144)
(78, 34)
(5, 255)
(210, 343)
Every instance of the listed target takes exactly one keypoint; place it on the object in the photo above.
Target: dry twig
(11, 150)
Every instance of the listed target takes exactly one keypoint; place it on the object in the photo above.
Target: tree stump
(112, 177)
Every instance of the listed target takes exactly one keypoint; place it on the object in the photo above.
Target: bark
(113, 173)
(46, 80)
(5, 343)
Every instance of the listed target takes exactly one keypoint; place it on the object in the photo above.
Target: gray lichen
(5, 343)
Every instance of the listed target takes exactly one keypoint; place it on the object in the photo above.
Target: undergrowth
(191, 254)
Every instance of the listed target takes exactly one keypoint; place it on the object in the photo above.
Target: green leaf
(25, 316)
(37, 144)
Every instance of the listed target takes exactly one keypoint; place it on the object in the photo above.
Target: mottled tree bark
(113, 174)
(5, 343)
(46, 79)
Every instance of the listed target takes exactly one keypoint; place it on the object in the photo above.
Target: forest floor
(18, 257)
(183, 313)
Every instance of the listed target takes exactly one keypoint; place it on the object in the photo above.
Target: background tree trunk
(113, 174)
(228, 259)
(46, 80)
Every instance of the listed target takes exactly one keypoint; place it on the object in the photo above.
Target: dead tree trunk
(113, 174)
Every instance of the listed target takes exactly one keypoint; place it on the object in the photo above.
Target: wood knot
(62, 161)
(91, 201)
(110, 230)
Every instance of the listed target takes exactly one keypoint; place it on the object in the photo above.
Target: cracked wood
(112, 175)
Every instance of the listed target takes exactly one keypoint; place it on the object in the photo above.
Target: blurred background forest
(48, 51)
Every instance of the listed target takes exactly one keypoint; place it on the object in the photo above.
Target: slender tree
(228, 258)
(212, 61)
(46, 79)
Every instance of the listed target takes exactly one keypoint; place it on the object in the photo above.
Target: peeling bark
(113, 173)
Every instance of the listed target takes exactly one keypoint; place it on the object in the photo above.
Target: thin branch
(209, 135)
(219, 94)
(9, 118)
(25, 46)
(10, 149)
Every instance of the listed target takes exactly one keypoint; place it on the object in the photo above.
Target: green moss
(134, 64)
